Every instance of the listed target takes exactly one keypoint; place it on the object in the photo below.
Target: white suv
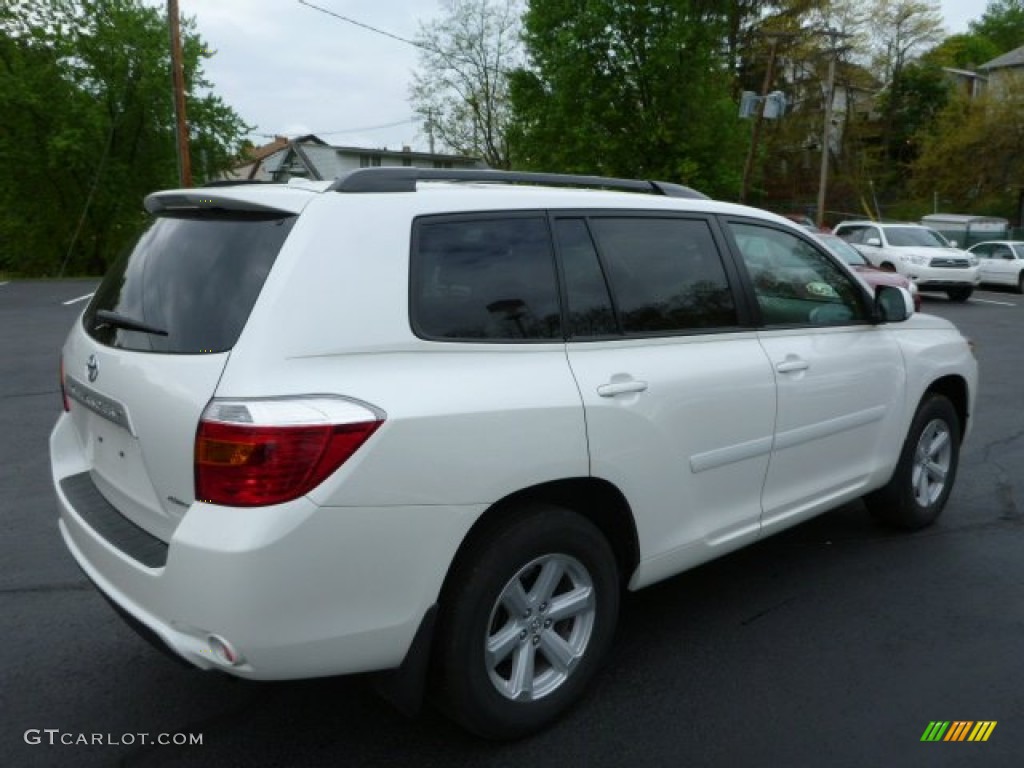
(434, 421)
(920, 253)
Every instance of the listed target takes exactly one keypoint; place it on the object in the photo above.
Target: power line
(407, 121)
(369, 27)
(369, 127)
(414, 43)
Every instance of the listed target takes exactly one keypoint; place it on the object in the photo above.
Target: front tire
(1020, 282)
(959, 294)
(924, 476)
(530, 613)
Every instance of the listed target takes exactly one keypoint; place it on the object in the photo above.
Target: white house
(310, 157)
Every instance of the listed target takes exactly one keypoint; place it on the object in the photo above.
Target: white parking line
(990, 301)
(5, 282)
(80, 298)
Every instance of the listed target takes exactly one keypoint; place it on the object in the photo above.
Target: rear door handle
(614, 388)
(791, 365)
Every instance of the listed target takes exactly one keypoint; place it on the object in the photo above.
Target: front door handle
(792, 364)
(613, 388)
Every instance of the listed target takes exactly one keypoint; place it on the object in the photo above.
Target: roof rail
(235, 182)
(404, 180)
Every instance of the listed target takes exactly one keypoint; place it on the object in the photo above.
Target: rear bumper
(298, 590)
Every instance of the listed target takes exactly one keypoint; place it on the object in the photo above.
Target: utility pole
(755, 136)
(826, 135)
(178, 82)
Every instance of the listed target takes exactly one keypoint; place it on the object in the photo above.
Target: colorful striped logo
(958, 730)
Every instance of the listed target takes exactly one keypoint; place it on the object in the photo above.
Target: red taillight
(241, 461)
(63, 391)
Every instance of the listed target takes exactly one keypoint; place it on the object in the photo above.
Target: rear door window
(483, 278)
(666, 274)
(194, 279)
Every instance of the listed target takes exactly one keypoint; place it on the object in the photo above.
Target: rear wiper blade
(114, 320)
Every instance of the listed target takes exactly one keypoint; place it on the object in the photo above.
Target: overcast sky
(289, 69)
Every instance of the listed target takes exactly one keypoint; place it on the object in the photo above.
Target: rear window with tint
(195, 278)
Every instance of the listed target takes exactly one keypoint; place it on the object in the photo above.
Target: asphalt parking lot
(832, 644)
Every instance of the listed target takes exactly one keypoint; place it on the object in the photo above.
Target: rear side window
(487, 279)
(666, 274)
(194, 279)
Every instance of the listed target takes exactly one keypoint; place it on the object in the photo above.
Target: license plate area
(116, 457)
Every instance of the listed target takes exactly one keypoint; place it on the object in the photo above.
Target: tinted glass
(914, 236)
(665, 274)
(853, 234)
(795, 283)
(195, 278)
(589, 303)
(488, 279)
(844, 250)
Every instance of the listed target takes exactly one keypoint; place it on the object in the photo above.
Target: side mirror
(953, 244)
(893, 304)
(874, 242)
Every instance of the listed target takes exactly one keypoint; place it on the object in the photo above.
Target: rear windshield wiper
(114, 320)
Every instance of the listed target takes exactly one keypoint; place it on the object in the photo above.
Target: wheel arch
(954, 389)
(594, 499)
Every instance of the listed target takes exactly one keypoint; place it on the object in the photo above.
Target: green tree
(461, 90)
(962, 51)
(86, 119)
(911, 105)
(973, 156)
(1002, 23)
(629, 89)
(902, 30)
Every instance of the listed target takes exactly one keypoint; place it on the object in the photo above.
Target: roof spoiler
(183, 201)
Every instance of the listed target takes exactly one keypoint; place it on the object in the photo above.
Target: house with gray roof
(1003, 69)
(309, 157)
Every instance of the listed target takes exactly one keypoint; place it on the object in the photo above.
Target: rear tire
(926, 471)
(1020, 282)
(528, 616)
(959, 294)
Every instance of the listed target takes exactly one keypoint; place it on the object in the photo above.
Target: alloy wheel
(540, 627)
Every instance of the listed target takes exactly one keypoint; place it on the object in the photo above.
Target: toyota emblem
(92, 368)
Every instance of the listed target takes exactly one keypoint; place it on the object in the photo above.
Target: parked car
(806, 222)
(1001, 262)
(871, 275)
(432, 422)
(919, 253)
